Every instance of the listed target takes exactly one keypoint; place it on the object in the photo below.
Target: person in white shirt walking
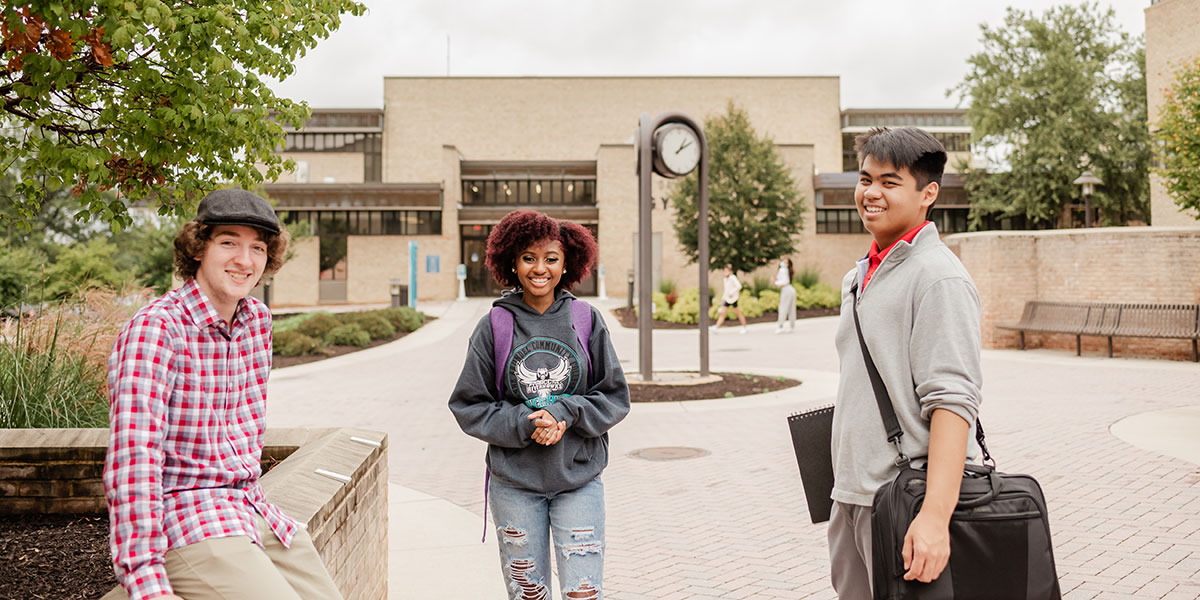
(787, 295)
(730, 300)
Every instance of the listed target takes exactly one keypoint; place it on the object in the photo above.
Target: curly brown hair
(521, 229)
(193, 239)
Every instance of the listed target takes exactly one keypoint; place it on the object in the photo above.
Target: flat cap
(237, 207)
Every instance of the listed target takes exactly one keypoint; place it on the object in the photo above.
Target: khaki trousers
(850, 551)
(234, 568)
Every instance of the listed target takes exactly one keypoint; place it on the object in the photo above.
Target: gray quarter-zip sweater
(920, 317)
(545, 362)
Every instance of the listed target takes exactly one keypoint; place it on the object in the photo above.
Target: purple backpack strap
(502, 337)
(581, 319)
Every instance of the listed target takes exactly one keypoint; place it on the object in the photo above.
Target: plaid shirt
(187, 399)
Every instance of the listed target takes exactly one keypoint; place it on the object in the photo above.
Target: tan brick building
(447, 157)
(1172, 40)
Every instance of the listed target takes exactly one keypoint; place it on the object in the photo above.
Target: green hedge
(687, 307)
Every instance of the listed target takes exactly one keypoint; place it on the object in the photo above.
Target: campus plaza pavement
(1115, 443)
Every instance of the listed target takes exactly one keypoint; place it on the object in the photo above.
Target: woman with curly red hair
(542, 386)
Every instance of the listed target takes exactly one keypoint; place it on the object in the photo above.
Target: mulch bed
(731, 385)
(628, 318)
(54, 557)
(279, 362)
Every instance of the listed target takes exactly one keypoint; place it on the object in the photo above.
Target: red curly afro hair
(521, 229)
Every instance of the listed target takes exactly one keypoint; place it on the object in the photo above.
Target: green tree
(1178, 137)
(754, 206)
(158, 100)
(1050, 96)
(20, 274)
(148, 251)
(83, 267)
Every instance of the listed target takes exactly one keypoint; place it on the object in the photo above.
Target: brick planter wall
(1104, 264)
(58, 471)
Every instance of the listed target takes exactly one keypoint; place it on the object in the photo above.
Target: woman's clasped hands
(547, 430)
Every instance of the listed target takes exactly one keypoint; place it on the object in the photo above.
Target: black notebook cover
(811, 434)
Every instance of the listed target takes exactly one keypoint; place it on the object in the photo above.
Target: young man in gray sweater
(920, 317)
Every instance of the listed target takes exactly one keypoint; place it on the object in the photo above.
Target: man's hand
(548, 430)
(926, 547)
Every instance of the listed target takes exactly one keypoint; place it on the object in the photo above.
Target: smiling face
(539, 269)
(231, 265)
(889, 202)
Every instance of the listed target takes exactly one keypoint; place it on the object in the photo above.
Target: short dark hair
(521, 229)
(905, 148)
(193, 238)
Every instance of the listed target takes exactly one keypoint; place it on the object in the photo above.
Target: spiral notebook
(811, 434)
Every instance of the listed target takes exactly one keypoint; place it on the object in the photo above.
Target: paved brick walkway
(733, 524)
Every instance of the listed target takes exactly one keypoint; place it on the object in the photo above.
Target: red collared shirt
(875, 256)
(187, 395)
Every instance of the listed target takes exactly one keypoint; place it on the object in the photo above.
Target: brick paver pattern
(734, 524)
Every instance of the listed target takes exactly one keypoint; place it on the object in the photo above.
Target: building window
(370, 144)
(516, 192)
(368, 222)
(839, 220)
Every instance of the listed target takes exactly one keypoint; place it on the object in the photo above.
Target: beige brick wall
(568, 118)
(1110, 264)
(616, 201)
(296, 284)
(341, 167)
(373, 260)
(1171, 40)
(57, 471)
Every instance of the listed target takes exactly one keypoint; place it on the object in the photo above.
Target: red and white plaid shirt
(187, 397)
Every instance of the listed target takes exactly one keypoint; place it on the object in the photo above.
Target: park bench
(1107, 319)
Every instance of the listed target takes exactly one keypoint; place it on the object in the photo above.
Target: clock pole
(650, 160)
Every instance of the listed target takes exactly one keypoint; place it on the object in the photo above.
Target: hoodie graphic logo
(541, 369)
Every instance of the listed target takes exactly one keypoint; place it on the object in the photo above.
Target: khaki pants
(850, 551)
(234, 568)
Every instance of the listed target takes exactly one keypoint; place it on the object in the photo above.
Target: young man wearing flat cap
(187, 384)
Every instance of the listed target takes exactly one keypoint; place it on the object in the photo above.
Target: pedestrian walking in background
(787, 295)
(729, 299)
(542, 385)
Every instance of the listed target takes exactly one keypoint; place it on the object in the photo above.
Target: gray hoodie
(545, 361)
(920, 318)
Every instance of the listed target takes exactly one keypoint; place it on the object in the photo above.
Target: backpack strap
(502, 339)
(581, 319)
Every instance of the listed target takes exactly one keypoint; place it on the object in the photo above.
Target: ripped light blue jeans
(525, 523)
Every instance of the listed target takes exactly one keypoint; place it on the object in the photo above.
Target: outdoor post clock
(676, 150)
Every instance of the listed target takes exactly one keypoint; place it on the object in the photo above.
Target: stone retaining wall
(58, 471)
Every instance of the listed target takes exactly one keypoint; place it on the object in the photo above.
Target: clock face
(678, 149)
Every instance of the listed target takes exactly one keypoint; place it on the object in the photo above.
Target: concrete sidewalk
(1109, 439)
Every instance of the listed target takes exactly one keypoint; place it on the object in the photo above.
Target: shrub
(666, 286)
(826, 296)
(808, 277)
(318, 325)
(54, 365)
(759, 283)
(662, 308)
(376, 326)
(403, 318)
(769, 299)
(348, 335)
(294, 343)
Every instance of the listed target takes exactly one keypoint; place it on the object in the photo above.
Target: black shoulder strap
(890, 422)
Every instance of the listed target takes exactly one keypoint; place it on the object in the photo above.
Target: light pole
(1087, 181)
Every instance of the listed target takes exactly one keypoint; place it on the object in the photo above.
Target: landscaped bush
(54, 365)
(318, 325)
(759, 284)
(348, 335)
(808, 277)
(687, 306)
(294, 343)
(403, 318)
(769, 299)
(376, 326)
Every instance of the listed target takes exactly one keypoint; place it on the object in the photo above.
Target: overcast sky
(898, 53)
